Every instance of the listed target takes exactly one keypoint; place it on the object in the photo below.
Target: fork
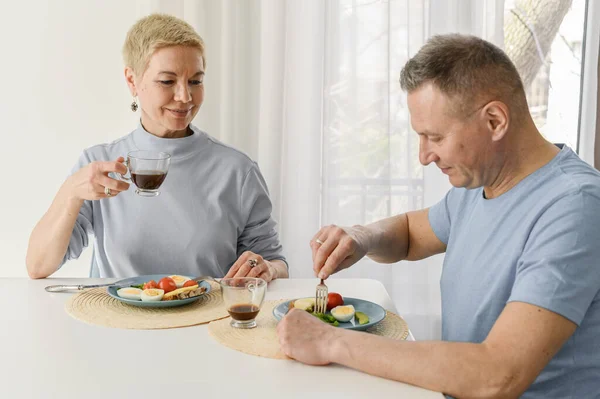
(198, 279)
(321, 298)
(216, 280)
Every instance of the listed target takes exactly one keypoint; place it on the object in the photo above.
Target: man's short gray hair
(466, 69)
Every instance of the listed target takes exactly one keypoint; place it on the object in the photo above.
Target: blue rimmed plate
(112, 291)
(375, 312)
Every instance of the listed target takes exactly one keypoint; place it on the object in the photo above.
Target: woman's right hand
(89, 182)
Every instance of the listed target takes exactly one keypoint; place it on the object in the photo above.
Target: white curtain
(370, 154)
(309, 89)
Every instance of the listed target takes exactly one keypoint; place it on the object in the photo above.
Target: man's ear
(497, 119)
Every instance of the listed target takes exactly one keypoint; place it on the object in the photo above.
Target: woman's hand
(91, 181)
(250, 264)
(335, 248)
(307, 339)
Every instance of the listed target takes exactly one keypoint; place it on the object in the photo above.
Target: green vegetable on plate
(361, 317)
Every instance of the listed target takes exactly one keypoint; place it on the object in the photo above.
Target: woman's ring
(319, 241)
(253, 262)
(107, 191)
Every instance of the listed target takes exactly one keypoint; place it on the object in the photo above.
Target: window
(371, 164)
(544, 38)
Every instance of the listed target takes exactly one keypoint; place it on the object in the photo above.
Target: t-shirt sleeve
(560, 266)
(84, 224)
(440, 217)
(259, 234)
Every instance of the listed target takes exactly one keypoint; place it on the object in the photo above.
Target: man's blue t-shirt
(538, 243)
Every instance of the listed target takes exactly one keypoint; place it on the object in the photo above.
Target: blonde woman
(213, 215)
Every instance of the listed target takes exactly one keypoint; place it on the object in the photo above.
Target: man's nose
(426, 155)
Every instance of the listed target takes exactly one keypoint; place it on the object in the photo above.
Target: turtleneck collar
(178, 148)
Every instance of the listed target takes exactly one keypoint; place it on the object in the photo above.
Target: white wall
(62, 90)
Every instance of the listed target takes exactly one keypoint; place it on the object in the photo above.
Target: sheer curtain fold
(263, 96)
(371, 169)
(309, 89)
(483, 18)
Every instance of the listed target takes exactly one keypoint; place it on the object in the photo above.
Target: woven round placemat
(262, 340)
(95, 306)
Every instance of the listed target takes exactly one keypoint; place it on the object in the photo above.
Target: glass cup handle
(252, 288)
(124, 177)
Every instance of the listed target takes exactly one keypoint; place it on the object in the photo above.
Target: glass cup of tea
(243, 297)
(147, 170)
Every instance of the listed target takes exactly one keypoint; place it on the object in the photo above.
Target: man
(521, 277)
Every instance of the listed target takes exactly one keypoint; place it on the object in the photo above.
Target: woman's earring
(134, 105)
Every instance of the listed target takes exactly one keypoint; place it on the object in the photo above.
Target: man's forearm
(463, 370)
(387, 239)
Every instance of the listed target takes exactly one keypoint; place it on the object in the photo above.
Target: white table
(45, 353)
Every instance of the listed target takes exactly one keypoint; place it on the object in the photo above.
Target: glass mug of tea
(147, 170)
(243, 297)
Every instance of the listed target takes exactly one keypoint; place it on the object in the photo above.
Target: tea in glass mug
(147, 170)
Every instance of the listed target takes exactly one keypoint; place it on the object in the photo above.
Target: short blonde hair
(157, 31)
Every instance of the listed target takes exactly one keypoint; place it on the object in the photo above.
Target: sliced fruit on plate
(190, 283)
(150, 284)
(334, 300)
(167, 284)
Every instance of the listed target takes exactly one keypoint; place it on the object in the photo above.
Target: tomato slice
(150, 284)
(190, 283)
(334, 300)
(167, 284)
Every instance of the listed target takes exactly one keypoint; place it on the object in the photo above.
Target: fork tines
(321, 298)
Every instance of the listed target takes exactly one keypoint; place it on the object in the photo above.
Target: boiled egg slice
(343, 314)
(179, 280)
(152, 295)
(130, 293)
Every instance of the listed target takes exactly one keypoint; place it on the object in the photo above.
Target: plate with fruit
(349, 313)
(159, 290)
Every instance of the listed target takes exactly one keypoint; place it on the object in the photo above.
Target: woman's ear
(130, 79)
(497, 118)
